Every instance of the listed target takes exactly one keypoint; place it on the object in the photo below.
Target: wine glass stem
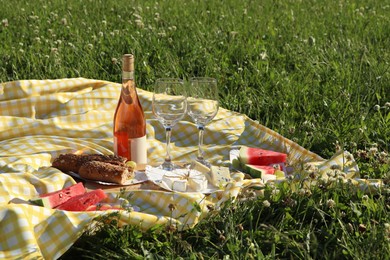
(168, 131)
(200, 144)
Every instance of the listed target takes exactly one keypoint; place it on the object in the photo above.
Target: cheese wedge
(185, 180)
(175, 183)
(219, 176)
(197, 183)
(197, 166)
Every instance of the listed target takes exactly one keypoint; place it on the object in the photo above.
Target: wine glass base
(169, 166)
(204, 162)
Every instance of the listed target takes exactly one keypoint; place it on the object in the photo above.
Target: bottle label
(133, 149)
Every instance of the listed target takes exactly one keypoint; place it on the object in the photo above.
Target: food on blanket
(83, 201)
(258, 170)
(250, 157)
(98, 167)
(175, 183)
(129, 118)
(219, 176)
(195, 165)
(266, 173)
(257, 156)
(72, 162)
(102, 171)
(192, 180)
(53, 199)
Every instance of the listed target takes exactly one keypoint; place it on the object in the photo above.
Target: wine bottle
(129, 118)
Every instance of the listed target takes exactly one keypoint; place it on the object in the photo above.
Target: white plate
(139, 177)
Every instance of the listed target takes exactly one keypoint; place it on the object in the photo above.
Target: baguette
(72, 162)
(107, 172)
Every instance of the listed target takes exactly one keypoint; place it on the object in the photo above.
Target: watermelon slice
(257, 156)
(53, 199)
(82, 202)
(266, 173)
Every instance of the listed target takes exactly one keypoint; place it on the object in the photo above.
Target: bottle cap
(128, 62)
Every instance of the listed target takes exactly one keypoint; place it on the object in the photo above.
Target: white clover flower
(112, 33)
(387, 228)
(46, 56)
(263, 55)
(139, 23)
(364, 197)
(114, 60)
(373, 150)
(266, 204)
(21, 50)
(377, 108)
(312, 40)
(37, 39)
(330, 203)
(387, 105)
(90, 46)
(64, 21)
(100, 34)
(302, 192)
(54, 50)
(104, 22)
(4, 22)
(137, 16)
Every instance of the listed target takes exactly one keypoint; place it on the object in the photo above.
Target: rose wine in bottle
(129, 118)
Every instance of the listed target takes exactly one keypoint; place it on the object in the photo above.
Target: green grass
(316, 72)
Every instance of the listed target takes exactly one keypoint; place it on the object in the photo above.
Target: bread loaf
(72, 162)
(102, 171)
(98, 167)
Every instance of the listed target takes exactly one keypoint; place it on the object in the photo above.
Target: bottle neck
(127, 75)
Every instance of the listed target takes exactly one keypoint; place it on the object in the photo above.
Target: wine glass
(169, 107)
(202, 107)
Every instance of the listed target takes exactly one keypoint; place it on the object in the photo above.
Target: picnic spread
(42, 119)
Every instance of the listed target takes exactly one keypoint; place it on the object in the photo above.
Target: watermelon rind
(258, 171)
(43, 202)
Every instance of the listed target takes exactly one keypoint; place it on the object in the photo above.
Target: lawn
(317, 72)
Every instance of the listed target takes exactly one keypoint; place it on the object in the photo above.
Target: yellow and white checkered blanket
(40, 119)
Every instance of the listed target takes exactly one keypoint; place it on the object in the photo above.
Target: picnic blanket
(40, 119)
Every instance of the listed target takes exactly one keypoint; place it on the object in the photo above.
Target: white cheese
(197, 182)
(185, 180)
(268, 177)
(219, 176)
(175, 183)
(197, 166)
